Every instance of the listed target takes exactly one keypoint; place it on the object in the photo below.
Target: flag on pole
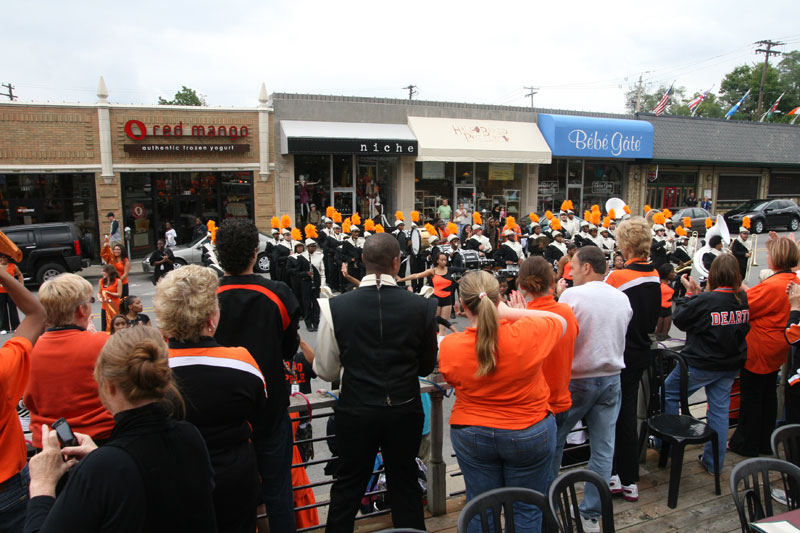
(771, 112)
(796, 113)
(694, 104)
(662, 104)
(735, 107)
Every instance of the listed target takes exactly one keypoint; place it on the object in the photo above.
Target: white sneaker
(590, 525)
(630, 492)
(615, 485)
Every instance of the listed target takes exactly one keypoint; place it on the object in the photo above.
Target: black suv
(50, 249)
(764, 215)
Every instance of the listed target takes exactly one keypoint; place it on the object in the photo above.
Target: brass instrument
(684, 267)
(751, 261)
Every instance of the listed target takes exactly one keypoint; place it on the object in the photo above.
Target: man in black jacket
(382, 337)
(262, 316)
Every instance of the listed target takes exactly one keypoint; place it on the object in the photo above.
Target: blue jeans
(718, 392)
(494, 458)
(275, 466)
(14, 502)
(597, 401)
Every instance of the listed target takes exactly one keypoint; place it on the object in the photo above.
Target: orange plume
(667, 213)
(548, 215)
(681, 232)
(627, 210)
(337, 217)
(511, 222)
(587, 216)
(369, 225)
(399, 215)
(329, 211)
(296, 235)
(659, 218)
(647, 208)
(452, 229)
(346, 225)
(430, 229)
(211, 225)
(607, 221)
(414, 216)
(379, 229)
(596, 216)
(355, 219)
(595, 208)
(286, 222)
(476, 218)
(311, 231)
(709, 223)
(534, 217)
(555, 224)
(276, 222)
(214, 235)
(746, 222)
(612, 214)
(687, 222)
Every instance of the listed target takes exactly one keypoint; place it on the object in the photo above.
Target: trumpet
(684, 267)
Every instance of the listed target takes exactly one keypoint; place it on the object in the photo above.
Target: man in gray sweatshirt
(603, 313)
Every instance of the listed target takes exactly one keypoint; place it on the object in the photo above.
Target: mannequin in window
(374, 200)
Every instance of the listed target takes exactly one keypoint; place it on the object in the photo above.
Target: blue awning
(576, 136)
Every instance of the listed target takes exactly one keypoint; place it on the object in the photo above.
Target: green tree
(708, 108)
(651, 98)
(185, 96)
(789, 81)
(744, 77)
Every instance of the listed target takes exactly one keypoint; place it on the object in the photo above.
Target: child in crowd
(108, 293)
(117, 323)
(131, 306)
(667, 273)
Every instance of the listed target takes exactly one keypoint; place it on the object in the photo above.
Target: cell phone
(64, 433)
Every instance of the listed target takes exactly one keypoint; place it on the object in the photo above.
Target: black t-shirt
(141, 319)
(300, 372)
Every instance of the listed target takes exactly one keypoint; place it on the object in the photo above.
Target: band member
(681, 254)
(660, 247)
(351, 253)
(669, 226)
(310, 274)
(608, 243)
(477, 241)
(740, 248)
(403, 238)
(582, 238)
(715, 248)
(595, 238)
(556, 249)
(456, 257)
(330, 248)
(506, 254)
(280, 254)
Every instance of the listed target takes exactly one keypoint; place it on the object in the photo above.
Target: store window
(37, 198)
(151, 199)
(434, 181)
(585, 182)
(784, 184)
(670, 189)
(349, 183)
(734, 190)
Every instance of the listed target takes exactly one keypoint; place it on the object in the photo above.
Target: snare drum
(472, 259)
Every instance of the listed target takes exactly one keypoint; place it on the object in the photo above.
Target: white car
(192, 253)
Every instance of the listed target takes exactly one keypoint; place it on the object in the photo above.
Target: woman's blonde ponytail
(480, 293)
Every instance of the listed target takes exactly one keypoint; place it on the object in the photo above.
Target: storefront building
(592, 157)
(148, 164)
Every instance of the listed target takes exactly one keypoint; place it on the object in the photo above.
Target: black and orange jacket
(792, 334)
(261, 315)
(640, 282)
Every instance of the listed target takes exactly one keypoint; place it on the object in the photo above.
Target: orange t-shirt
(62, 384)
(120, 266)
(15, 366)
(114, 287)
(515, 395)
(557, 368)
(767, 347)
(666, 295)
(12, 271)
(567, 270)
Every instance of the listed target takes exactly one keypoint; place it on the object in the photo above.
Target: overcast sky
(580, 54)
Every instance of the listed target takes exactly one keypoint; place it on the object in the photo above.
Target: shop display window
(671, 189)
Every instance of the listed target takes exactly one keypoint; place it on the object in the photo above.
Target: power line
(533, 91)
(767, 52)
(10, 93)
(412, 90)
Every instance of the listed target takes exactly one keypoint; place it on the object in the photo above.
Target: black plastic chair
(787, 438)
(503, 499)
(753, 504)
(563, 501)
(677, 431)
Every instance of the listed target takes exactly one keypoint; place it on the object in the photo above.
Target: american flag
(662, 104)
(694, 104)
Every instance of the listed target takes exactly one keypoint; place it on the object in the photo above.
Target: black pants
(758, 412)
(275, 466)
(397, 431)
(9, 318)
(626, 443)
(310, 305)
(124, 290)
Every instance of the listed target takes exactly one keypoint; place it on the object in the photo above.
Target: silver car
(192, 254)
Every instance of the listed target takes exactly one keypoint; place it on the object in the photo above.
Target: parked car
(764, 215)
(698, 216)
(192, 254)
(51, 249)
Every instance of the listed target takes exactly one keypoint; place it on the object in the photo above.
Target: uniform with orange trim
(792, 334)
(225, 396)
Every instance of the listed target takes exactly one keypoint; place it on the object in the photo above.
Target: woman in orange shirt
(501, 426)
(767, 350)
(108, 294)
(119, 258)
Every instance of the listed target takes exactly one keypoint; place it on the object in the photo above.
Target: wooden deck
(699, 509)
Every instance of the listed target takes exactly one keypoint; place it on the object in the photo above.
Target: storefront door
(365, 178)
(187, 209)
(465, 196)
(670, 197)
(575, 184)
(344, 201)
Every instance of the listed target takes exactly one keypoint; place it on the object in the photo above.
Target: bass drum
(472, 259)
(416, 241)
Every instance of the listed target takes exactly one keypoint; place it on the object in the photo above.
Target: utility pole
(767, 52)
(10, 93)
(639, 92)
(412, 90)
(533, 90)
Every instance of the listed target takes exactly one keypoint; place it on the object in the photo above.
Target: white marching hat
(476, 226)
(287, 230)
(509, 232)
(275, 230)
(398, 222)
(327, 220)
(556, 233)
(337, 226)
(367, 234)
(658, 227)
(311, 242)
(592, 226)
(451, 238)
(742, 229)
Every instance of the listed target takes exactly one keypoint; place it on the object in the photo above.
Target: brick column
(107, 188)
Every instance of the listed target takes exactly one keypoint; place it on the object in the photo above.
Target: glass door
(344, 201)
(575, 185)
(465, 196)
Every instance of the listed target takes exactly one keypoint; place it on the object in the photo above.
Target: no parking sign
(138, 210)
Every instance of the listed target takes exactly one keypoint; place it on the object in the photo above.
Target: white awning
(487, 141)
(307, 136)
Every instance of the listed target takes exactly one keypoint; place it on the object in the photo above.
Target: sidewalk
(94, 270)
